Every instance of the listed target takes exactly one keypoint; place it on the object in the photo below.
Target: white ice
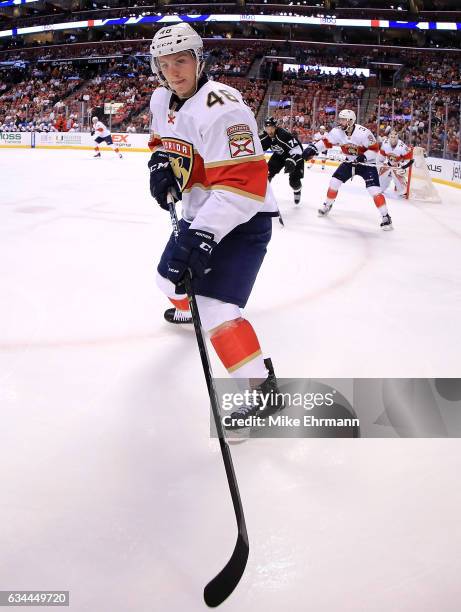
(110, 485)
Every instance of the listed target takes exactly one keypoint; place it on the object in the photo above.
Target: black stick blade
(222, 585)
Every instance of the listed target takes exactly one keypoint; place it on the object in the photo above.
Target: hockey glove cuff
(191, 252)
(290, 165)
(162, 179)
(409, 163)
(309, 152)
(361, 159)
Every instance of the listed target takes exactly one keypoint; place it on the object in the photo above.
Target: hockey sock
(96, 149)
(331, 196)
(380, 202)
(181, 304)
(237, 346)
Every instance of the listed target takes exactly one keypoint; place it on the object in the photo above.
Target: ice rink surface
(111, 487)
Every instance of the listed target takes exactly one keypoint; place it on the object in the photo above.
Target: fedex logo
(120, 138)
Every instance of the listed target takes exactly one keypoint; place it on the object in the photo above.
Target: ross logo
(10, 136)
(181, 156)
(241, 143)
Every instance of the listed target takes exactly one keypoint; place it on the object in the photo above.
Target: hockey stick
(222, 585)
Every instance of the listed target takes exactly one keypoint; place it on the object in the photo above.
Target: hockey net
(420, 186)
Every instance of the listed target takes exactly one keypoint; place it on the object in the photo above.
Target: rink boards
(444, 171)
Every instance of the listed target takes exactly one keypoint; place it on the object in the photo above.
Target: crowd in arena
(313, 93)
(230, 62)
(51, 96)
(36, 102)
(124, 78)
(422, 117)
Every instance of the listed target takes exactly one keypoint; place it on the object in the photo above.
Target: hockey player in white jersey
(395, 157)
(359, 147)
(102, 135)
(320, 135)
(206, 153)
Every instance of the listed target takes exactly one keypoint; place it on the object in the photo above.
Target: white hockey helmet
(94, 119)
(173, 39)
(393, 137)
(322, 127)
(350, 118)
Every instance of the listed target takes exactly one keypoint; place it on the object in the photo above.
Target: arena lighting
(329, 21)
(346, 71)
(4, 3)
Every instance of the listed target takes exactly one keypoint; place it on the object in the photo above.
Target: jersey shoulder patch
(241, 142)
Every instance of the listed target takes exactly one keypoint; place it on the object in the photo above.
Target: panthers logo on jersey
(392, 158)
(350, 149)
(181, 154)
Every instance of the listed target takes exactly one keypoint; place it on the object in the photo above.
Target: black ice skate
(269, 389)
(323, 212)
(173, 315)
(297, 196)
(386, 224)
(97, 155)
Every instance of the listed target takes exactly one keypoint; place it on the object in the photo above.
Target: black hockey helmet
(270, 122)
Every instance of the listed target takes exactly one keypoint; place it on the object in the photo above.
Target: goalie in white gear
(359, 147)
(395, 157)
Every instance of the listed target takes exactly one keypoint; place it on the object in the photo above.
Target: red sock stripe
(331, 194)
(180, 304)
(379, 199)
(236, 344)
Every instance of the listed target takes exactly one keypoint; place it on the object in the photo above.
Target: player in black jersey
(287, 154)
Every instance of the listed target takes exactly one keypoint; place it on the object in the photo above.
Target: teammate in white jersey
(320, 135)
(102, 135)
(359, 147)
(206, 153)
(395, 157)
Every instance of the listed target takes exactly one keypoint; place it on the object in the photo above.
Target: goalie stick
(224, 583)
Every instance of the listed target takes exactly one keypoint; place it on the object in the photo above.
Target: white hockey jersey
(394, 155)
(360, 142)
(216, 155)
(100, 130)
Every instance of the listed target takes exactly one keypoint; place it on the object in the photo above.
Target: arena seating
(43, 96)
